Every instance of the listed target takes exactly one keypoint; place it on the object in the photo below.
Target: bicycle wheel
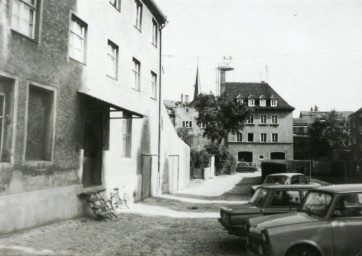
(115, 201)
(126, 199)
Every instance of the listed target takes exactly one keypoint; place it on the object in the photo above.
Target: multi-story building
(183, 115)
(356, 135)
(301, 136)
(80, 107)
(268, 132)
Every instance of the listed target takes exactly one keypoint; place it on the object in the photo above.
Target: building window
(6, 118)
(187, 124)
(202, 125)
(136, 74)
(262, 102)
(261, 157)
(250, 119)
(187, 110)
(112, 55)
(250, 137)
(24, 17)
(241, 101)
(251, 102)
(239, 136)
(40, 126)
(274, 119)
(77, 39)
(153, 85)
(263, 119)
(263, 137)
(154, 33)
(273, 102)
(138, 18)
(116, 4)
(275, 137)
(126, 135)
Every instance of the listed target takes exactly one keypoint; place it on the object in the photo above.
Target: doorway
(174, 171)
(93, 138)
(245, 156)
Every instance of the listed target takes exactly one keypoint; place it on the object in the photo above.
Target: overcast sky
(313, 49)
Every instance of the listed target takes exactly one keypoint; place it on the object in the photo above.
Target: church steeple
(197, 84)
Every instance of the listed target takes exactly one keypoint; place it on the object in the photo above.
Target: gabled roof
(232, 90)
(356, 113)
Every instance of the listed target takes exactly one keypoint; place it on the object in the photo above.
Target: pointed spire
(197, 84)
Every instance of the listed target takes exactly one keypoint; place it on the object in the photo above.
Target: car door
(283, 200)
(346, 224)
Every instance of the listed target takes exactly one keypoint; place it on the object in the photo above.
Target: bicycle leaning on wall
(118, 199)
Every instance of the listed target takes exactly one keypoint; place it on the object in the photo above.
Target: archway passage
(277, 156)
(245, 156)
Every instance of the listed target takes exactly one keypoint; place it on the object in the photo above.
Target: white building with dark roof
(268, 133)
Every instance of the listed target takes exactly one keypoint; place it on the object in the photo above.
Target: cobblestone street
(181, 224)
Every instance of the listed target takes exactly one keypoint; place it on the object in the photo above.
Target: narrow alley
(184, 223)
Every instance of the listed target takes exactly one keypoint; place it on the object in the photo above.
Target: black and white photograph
(180, 127)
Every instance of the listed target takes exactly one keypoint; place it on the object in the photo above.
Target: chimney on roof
(182, 100)
(186, 99)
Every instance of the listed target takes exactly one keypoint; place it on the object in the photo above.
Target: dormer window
(273, 101)
(262, 101)
(251, 102)
(239, 99)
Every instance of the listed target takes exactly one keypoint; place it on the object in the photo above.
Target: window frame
(154, 32)
(275, 137)
(153, 85)
(263, 135)
(239, 136)
(138, 15)
(250, 134)
(35, 163)
(126, 136)
(276, 117)
(113, 58)
(261, 119)
(136, 74)
(84, 27)
(251, 102)
(36, 19)
(250, 119)
(262, 102)
(273, 102)
(187, 124)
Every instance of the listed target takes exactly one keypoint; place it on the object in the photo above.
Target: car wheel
(303, 251)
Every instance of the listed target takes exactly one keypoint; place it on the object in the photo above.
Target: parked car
(243, 166)
(283, 178)
(268, 199)
(328, 223)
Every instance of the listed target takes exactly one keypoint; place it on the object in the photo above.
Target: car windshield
(259, 197)
(317, 203)
(275, 180)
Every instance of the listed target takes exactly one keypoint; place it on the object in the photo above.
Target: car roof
(340, 189)
(289, 186)
(288, 174)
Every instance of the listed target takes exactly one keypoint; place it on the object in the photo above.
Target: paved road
(171, 225)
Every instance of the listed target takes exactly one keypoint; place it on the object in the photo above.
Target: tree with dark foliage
(221, 116)
(329, 133)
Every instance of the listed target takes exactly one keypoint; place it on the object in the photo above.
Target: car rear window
(286, 198)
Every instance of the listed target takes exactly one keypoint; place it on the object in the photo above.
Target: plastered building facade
(79, 92)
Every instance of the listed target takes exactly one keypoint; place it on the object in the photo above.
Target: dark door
(93, 137)
(245, 156)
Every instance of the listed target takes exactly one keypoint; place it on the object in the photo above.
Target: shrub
(224, 160)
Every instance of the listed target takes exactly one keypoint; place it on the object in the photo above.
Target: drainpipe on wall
(159, 114)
